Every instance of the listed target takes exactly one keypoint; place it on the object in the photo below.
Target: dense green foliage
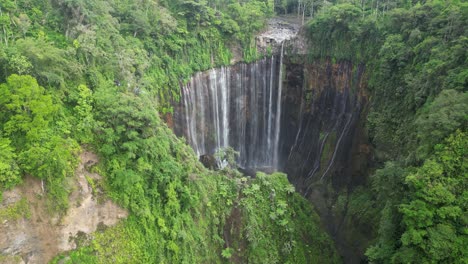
(343, 32)
(98, 74)
(36, 138)
(272, 198)
(58, 58)
(416, 58)
(141, 45)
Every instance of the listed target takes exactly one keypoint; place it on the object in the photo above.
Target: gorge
(284, 113)
(305, 128)
(121, 121)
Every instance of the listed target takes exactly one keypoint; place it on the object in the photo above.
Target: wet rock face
(321, 141)
(323, 104)
(324, 148)
(236, 107)
(209, 161)
(316, 114)
(298, 117)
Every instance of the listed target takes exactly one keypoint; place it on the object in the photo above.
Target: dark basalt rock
(209, 161)
(318, 126)
(322, 108)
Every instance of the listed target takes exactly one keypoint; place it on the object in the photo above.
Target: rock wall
(322, 143)
(297, 117)
(325, 146)
(323, 104)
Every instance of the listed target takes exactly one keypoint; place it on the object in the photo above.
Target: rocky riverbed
(279, 30)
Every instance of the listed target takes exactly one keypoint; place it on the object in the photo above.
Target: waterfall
(306, 130)
(278, 111)
(270, 104)
(345, 130)
(237, 106)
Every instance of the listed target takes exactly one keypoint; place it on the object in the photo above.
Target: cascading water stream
(305, 129)
(278, 111)
(238, 107)
(270, 104)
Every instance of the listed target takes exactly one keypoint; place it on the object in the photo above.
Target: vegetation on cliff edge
(416, 58)
(98, 74)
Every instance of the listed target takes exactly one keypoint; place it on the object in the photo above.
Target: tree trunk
(303, 14)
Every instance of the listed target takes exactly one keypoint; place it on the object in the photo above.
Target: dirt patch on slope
(33, 239)
(232, 234)
(40, 235)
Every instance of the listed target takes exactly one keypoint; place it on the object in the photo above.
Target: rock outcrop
(36, 235)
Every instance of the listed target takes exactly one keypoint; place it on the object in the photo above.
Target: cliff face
(290, 115)
(297, 117)
(323, 105)
(31, 233)
(324, 145)
(286, 113)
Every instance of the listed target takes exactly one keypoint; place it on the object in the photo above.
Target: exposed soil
(35, 240)
(46, 234)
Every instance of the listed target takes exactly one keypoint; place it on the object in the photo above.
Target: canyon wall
(323, 104)
(292, 116)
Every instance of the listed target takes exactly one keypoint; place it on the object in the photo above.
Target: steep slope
(416, 69)
(32, 233)
(96, 75)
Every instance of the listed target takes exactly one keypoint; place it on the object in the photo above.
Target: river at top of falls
(239, 107)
